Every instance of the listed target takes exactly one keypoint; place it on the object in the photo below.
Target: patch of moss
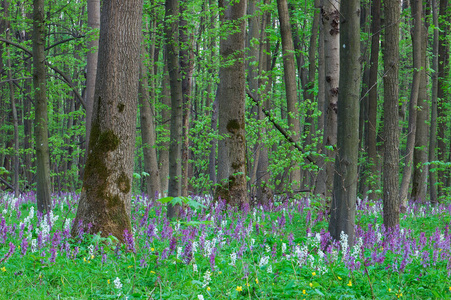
(120, 107)
(233, 125)
(113, 201)
(123, 183)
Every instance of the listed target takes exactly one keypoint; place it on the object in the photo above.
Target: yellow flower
(3, 269)
(108, 281)
(389, 289)
(350, 283)
(303, 291)
(130, 267)
(311, 284)
(256, 281)
(220, 272)
(247, 284)
(339, 278)
(84, 259)
(208, 288)
(153, 272)
(92, 256)
(314, 274)
(239, 288)
(450, 288)
(152, 249)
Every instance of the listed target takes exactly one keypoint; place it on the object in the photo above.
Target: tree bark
(105, 201)
(344, 197)
(331, 22)
(371, 126)
(418, 67)
(420, 151)
(290, 86)
(91, 65)
(41, 118)
(175, 144)
(148, 124)
(163, 162)
(391, 123)
(433, 128)
(231, 108)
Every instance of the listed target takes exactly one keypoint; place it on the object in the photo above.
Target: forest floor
(282, 251)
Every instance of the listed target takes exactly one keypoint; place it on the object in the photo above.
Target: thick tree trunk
(391, 123)
(290, 86)
(231, 108)
(344, 197)
(175, 77)
(105, 201)
(417, 40)
(331, 22)
(41, 119)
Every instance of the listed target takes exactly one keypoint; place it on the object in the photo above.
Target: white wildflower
(267, 248)
(233, 259)
(200, 297)
(207, 278)
(263, 261)
(195, 268)
(179, 252)
(269, 269)
(284, 247)
(117, 283)
(195, 245)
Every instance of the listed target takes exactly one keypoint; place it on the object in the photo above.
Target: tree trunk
(371, 126)
(41, 119)
(420, 151)
(417, 40)
(105, 201)
(391, 123)
(187, 68)
(91, 66)
(344, 197)
(433, 129)
(442, 93)
(231, 108)
(290, 86)
(331, 21)
(175, 144)
(163, 162)
(148, 124)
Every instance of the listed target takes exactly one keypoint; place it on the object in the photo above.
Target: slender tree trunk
(231, 108)
(165, 116)
(391, 123)
(175, 77)
(433, 129)
(290, 86)
(420, 151)
(105, 201)
(371, 126)
(344, 197)
(91, 56)
(41, 119)
(187, 68)
(331, 21)
(417, 40)
(148, 123)
(442, 93)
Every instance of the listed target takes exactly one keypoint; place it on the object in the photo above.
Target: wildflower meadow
(279, 251)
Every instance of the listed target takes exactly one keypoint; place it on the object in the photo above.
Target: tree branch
(281, 130)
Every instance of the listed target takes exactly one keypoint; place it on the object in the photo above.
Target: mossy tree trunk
(105, 199)
(342, 217)
(41, 118)
(231, 107)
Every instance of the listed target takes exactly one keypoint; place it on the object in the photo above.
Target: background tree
(104, 204)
